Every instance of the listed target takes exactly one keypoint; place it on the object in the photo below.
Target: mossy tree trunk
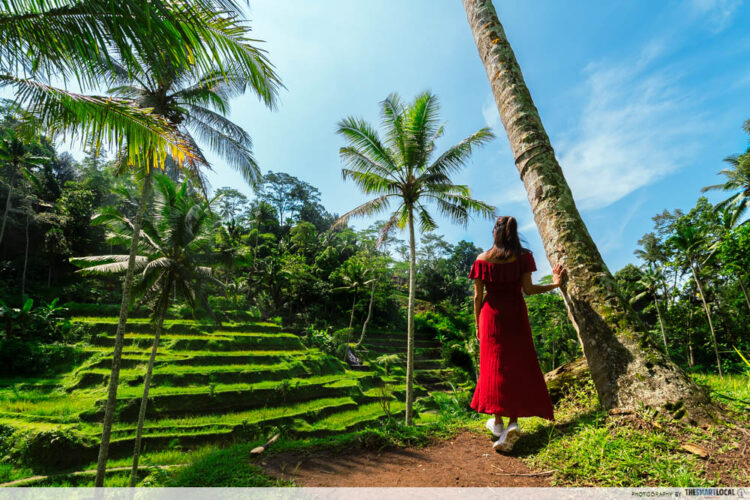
(410, 321)
(114, 378)
(626, 366)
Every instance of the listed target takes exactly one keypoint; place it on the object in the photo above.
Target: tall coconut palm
(614, 339)
(688, 241)
(194, 102)
(404, 169)
(651, 280)
(169, 259)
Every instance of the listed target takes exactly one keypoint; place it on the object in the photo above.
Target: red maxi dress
(511, 382)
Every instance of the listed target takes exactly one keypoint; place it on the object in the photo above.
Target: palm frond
(116, 123)
(370, 182)
(392, 113)
(363, 137)
(421, 123)
(455, 157)
(369, 208)
(107, 264)
(228, 140)
(426, 222)
(357, 160)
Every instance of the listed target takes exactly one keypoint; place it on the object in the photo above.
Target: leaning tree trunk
(161, 311)
(661, 325)
(369, 315)
(114, 378)
(708, 315)
(626, 366)
(410, 322)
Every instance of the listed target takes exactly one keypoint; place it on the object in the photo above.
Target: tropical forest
(191, 297)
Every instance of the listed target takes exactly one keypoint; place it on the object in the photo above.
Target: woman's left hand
(557, 274)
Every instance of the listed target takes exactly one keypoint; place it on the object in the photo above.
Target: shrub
(24, 358)
(49, 449)
(44, 322)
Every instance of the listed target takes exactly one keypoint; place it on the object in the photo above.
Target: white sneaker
(496, 430)
(508, 438)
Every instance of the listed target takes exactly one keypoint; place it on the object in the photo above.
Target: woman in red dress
(511, 383)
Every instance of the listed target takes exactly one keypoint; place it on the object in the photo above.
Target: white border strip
(367, 493)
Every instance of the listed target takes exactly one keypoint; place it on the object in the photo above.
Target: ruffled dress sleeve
(477, 270)
(528, 265)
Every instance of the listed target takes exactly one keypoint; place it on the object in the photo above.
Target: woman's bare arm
(531, 289)
(478, 298)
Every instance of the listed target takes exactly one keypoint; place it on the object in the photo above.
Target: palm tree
(688, 241)
(18, 160)
(651, 280)
(737, 179)
(89, 35)
(193, 102)
(614, 338)
(170, 254)
(404, 169)
(353, 274)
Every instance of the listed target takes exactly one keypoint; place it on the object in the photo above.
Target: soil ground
(467, 459)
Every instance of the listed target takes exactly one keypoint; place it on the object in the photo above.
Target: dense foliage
(274, 255)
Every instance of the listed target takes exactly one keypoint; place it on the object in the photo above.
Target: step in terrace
(212, 384)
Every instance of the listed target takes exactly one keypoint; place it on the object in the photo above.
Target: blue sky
(642, 100)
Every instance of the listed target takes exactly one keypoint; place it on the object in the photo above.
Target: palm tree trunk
(354, 303)
(369, 314)
(25, 260)
(744, 291)
(708, 316)
(661, 325)
(7, 209)
(160, 314)
(627, 368)
(114, 378)
(410, 321)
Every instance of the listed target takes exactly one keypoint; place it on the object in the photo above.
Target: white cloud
(717, 14)
(636, 126)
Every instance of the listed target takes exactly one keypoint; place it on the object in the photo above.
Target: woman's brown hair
(507, 244)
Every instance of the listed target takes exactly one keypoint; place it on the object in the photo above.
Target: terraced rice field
(428, 370)
(210, 385)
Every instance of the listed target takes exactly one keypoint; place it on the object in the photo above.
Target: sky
(642, 100)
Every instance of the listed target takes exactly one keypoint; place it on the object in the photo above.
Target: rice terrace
(375, 244)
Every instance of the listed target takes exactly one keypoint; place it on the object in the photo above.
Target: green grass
(212, 385)
(233, 419)
(587, 447)
(733, 390)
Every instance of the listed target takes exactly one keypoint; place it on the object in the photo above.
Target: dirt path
(465, 460)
